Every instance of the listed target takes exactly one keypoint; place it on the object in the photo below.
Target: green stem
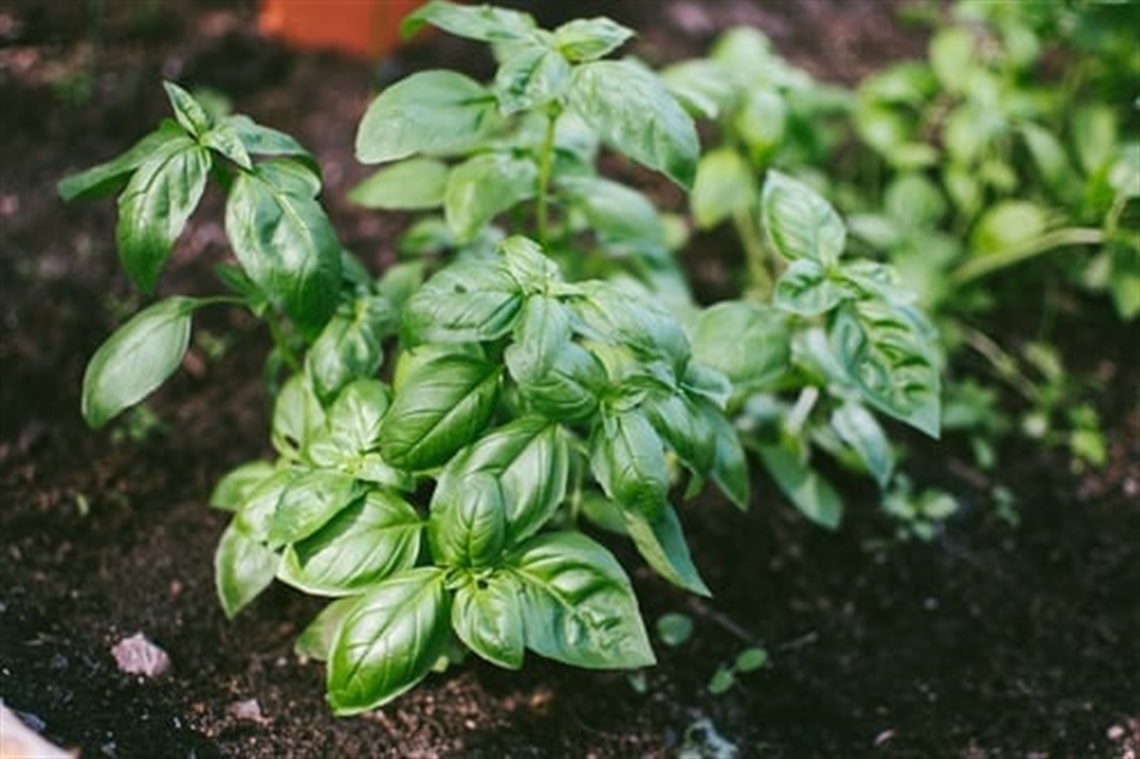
(760, 282)
(281, 341)
(545, 163)
(1060, 238)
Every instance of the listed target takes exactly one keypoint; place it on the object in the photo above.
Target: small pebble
(1115, 733)
(138, 656)
(248, 710)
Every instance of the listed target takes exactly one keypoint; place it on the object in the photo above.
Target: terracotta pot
(362, 28)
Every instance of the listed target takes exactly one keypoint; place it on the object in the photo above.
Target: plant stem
(759, 276)
(545, 162)
(1060, 238)
(281, 341)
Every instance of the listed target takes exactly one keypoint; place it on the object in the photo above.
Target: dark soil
(989, 641)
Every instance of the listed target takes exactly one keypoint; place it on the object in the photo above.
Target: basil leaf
(703, 86)
(530, 76)
(389, 641)
(804, 289)
(730, 467)
(189, 113)
(136, 359)
(725, 185)
(530, 267)
(473, 300)
(467, 526)
(859, 429)
(761, 123)
(256, 512)
(284, 241)
(363, 544)
(349, 347)
(577, 604)
(235, 487)
(309, 502)
(631, 109)
(531, 459)
(353, 424)
(615, 316)
(298, 418)
(587, 39)
(799, 222)
(413, 185)
(108, 177)
(155, 206)
(662, 544)
(487, 616)
(265, 141)
(557, 377)
(886, 351)
(225, 141)
(808, 491)
(484, 186)
(316, 640)
(431, 111)
(620, 216)
(444, 403)
(243, 568)
(483, 22)
(750, 343)
(628, 460)
(687, 431)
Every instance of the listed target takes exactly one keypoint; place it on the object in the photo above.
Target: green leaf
(686, 430)
(532, 269)
(621, 217)
(431, 111)
(587, 39)
(750, 343)
(1006, 225)
(662, 544)
(952, 57)
(108, 177)
(702, 86)
(189, 112)
(577, 604)
(1124, 281)
(531, 459)
(472, 300)
(316, 640)
(804, 289)
(799, 222)
(616, 316)
(1095, 134)
(309, 502)
(730, 467)
(362, 545)
(255, 513)
(674, 629)
(482, 187)
(136, 359)
(808, 491)
(416, 184)
(750, 659)
(1049, 157)
(225, 141)
(487, 616)
(235, 487)
(298, 418)
(556, 376)
(631, 109)
(353, 424)
(725, 185)
(284, 241)
(389, 641)
(349, 347)
(532, 75)
(481, 22)
(265, 141)
(721, 681)
(468, 525)
(155, 206)
(762, 123)
(243, 568)
(887, 351)
(442, 406)
(628, 460)
(859, 429)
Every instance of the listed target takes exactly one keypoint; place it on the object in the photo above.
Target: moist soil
(990, 640)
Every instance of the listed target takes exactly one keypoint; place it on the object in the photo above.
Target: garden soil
(991, 640)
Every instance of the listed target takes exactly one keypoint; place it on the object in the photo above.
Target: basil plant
(436, 505)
